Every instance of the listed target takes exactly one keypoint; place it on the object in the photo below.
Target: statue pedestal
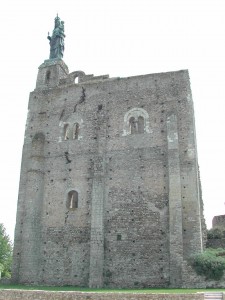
(50, 73)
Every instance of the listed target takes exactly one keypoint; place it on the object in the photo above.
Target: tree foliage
(210, 263)
(5, 253)
(216, 233)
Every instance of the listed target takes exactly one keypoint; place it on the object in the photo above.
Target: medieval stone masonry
(109, 190)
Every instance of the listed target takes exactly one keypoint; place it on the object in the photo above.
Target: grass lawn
(79, 289)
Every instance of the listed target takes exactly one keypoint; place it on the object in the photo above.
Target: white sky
(120, 38)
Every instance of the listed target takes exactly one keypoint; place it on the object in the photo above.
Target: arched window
(76, 128)
(72, 200)
(133, 125)
(66, 132)
(141, 124)
(38, 143)
(71, 128)
(136, 121)
(47, 77)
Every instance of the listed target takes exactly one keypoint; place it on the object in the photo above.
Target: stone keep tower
(109, 189)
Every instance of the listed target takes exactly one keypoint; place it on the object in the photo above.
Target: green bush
(210, 263)
(216, 233)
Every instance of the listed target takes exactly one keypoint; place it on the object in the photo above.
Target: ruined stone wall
(109, 192)
(218, 221)
(218, 224)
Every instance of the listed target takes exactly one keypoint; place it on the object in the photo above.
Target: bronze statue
(57, 39)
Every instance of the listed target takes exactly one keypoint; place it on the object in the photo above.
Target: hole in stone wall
(100, 107)
(119, 237)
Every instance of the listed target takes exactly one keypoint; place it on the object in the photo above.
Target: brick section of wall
(44, 295)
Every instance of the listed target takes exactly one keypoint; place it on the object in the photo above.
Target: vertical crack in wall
(66, 216)
(67, 158)
(62, 114)
(83, 95)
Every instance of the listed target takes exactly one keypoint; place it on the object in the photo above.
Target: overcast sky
(120, 38)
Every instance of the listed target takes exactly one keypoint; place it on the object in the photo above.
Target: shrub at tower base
(5, 253)
(210, 263)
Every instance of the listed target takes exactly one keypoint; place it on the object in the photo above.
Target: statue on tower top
(57, 40)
